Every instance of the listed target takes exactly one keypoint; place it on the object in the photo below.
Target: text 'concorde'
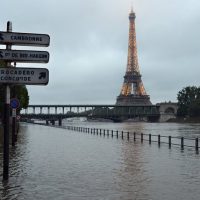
(24, 76)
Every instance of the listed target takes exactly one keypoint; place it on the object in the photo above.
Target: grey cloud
(89, 43)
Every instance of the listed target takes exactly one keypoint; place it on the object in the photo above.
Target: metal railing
(151, 138)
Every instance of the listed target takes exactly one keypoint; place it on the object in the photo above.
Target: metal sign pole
(6, 119)
(14, 137)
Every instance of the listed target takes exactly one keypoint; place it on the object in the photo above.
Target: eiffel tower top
(132, 14)
(132, 60)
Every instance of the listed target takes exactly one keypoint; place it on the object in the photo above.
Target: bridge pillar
(63, 109)
(60, 122)
(55, 110)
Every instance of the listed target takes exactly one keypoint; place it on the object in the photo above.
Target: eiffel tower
(133, 91)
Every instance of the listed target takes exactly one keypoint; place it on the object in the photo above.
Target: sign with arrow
(24, 76)
(24, 56)
(24, 39)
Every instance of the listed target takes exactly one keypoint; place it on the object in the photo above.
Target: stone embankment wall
(168, 110)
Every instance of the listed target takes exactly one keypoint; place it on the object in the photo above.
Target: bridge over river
(113, 112)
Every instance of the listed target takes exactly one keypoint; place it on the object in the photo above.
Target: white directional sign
(26, 39)
(24, 56)
(24, 76)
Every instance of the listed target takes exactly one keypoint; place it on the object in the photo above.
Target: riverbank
(185, 120)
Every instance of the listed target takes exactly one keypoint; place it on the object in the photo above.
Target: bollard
(141, 137)
(134, 136)
(197, 144)
(104, 132)
(100, 132)
(149, 138)
(182, 143)
(159, 140)
(170, 141)
(112, 133)
(127, 135)
(107, 132)
(122, 135)
(117, 134)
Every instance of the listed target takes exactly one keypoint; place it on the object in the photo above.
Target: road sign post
(22, 76)
(6, 119)
(14, 104)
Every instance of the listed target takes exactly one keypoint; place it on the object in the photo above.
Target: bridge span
(113, 112)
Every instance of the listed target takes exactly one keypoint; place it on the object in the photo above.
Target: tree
(189, 101)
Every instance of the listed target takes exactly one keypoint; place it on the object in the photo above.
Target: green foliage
(22, 94)
(189, 101)
(2, 63)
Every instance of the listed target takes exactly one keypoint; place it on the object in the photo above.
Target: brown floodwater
(55, 163)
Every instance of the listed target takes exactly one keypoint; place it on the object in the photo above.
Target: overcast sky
(89, 44)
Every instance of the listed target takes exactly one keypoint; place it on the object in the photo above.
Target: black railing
(151, 138)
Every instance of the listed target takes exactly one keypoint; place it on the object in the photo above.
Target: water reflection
(132, 177)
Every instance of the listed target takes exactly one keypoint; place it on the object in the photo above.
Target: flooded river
(55, 163)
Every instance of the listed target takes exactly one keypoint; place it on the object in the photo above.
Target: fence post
(158, 140)
(127, 135)
(149, 138)
(182, 143)
(141, 137)
(134, 136)
(197, 144)
(170, 141)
